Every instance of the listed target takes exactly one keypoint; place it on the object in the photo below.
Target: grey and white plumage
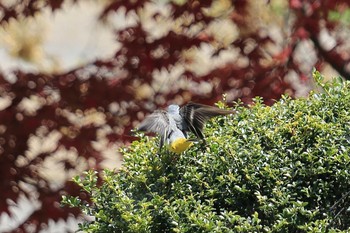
(176, 122)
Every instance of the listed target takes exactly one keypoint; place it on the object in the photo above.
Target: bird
(174, 124)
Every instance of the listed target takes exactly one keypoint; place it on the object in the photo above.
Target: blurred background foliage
(60, 116)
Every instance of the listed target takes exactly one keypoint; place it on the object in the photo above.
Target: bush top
(283, 168)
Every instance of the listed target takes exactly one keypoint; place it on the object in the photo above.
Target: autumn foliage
(184, 50)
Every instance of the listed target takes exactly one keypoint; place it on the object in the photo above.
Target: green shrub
(283, 168)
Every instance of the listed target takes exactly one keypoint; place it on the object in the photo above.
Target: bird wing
(196, 115)
(157, 122)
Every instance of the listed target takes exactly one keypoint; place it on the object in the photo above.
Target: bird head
(173, 108)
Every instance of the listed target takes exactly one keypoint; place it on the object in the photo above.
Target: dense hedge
(283, 168)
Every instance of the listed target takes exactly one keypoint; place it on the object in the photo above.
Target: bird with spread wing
(174, 124)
